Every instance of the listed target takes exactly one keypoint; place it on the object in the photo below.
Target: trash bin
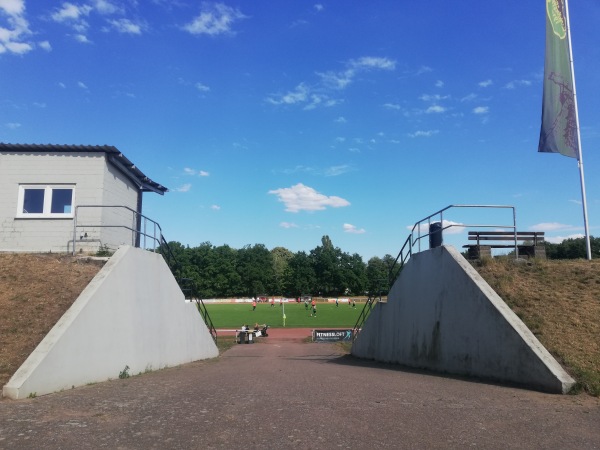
(435, 235)
(240, 337)
(250, 338)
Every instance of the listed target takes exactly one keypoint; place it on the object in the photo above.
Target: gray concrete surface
(284, 394)
(132, 314)
(442, 315)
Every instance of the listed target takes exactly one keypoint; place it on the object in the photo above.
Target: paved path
(280, 393)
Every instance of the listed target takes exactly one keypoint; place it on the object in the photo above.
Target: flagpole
(580, 154)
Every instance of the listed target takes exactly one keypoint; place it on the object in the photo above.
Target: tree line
(573, 249)
(325, 271)
(254, 270)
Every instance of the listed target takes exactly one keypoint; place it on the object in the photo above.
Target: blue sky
(280, 122)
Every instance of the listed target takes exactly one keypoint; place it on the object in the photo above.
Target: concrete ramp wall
(131, 314)
(442, 316)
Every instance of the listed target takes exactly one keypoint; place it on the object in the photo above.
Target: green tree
(281, 257)
(255, 268)
(299, 277)
(326, 263)
(354, 274)
(572, 248)
(377, 276)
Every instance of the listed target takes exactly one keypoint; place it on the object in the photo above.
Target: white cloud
(391, 106)
(448, 226)
(348, 228)
(340, 119)
(517, 83)
(215, 19)
(433, 98)
(12, 38)
(481, 110)
(559, 239)
(184, 188)
(126, 26)
(304, 198)
(19, 48)
(202, 87)
(334, 171)
(550, 226)
(469, 98)
(298, 95)
(486, 83)
(13, 7)
(71, 13)
(373, 62)
(422, 133)
(423, 69)
(288, 225)
(439, 84)
(319, 7)
(193, 172)
(82, 85)
(319, 95)
(435, 109)
(105, 7)
(13, 125)
(62, 85)
(82, 38)
(215, 207)
(45, 45)
(337, 80)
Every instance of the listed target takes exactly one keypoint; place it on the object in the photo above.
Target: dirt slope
(35, 291)
(559, 301)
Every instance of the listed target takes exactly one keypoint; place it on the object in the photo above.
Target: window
(46, 201)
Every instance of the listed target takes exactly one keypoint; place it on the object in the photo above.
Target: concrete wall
(131, 314)
(442, 316)
(95, 181)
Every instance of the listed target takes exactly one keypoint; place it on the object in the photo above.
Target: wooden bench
(529, 243)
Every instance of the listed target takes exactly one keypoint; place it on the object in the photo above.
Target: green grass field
(328, 315)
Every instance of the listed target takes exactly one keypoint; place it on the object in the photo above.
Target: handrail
(418, 225)
(408, 248)
(207, 320)
(159, 244)
(138, 220)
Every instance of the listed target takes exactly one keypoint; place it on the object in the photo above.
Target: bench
(529, 243)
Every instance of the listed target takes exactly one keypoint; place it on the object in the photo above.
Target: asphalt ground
(283, 393)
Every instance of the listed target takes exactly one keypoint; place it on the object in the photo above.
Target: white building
(54, 197)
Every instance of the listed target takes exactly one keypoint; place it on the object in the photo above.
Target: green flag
(559, 132)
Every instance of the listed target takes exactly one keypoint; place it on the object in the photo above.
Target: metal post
(579, 153)
(75, 229)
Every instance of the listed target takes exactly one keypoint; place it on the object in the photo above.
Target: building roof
(113, 155)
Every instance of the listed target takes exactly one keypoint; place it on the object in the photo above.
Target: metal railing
(146, 233)
(413, 241)
(138, 228)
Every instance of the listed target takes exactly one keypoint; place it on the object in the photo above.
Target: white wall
(96, 183)
(131, 314)
(118, 190)
(45, 235)
(442, 316)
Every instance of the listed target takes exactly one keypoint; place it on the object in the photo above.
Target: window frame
(47, 204)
